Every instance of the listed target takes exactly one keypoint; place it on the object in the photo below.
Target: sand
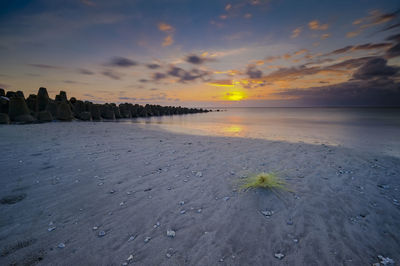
(70, 182)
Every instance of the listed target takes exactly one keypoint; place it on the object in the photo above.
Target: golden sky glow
(195, 53)
(235, 95)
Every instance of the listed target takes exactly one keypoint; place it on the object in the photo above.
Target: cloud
(253, 72)
(395, 38)
(221, 83)
(294, 73)
(393, 51)
(197, 60)
(300, 52)
(361, 47)
(153, 66)
(391, 27)
(158, 97)
(228, 52)
(296, 32)
(70, 82)
(164, 27)
(379, 92)
(286, 56)
(372, 83)
(325, 36)
(111, 74)
(315, 25)
(375, 68)
(128, 98)
(118, 61)
(248, 15)
(158, 76)
(374, 18)
(194, 59)
(352, 34)
(228, 7)
(85, 71)
(143, 80)
(168, 40)
(184, 76)
(45, 66)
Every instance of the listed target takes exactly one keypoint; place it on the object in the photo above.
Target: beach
(84, 193)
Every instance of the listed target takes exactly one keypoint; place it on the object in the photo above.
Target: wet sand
(85, 193)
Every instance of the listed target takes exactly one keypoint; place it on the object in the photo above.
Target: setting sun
(235, 95)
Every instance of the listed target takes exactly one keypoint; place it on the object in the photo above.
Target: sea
(374, 130)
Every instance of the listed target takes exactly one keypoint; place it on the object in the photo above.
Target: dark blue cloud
(111, 74)
(121, 62)
(85, 71)
(375, 68)
(253, 72)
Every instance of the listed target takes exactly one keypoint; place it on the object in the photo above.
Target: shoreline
(342, 211)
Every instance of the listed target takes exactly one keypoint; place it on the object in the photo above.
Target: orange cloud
(259, 62)
(352, 34)
(325, 36)
(315, 25)
(296, 32)
(165, 27)
(228, 6)
(300, 52)
(231, 72)
(374, 18)
(221, 83)
(168, 41)
(248, 15)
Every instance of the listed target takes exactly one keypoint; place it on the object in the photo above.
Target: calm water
(373, 129)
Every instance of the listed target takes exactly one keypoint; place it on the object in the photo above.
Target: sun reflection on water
(232, 130)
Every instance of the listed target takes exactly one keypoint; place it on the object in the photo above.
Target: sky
(209, 53)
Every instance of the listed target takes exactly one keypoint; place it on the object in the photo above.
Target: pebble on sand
(170, 252)
(61, 245)
(386, 260)
(147, 239)
(279, 255)
(101, 234)
(171, 233)
(156, 225)
(129, 258)
(267, 213)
